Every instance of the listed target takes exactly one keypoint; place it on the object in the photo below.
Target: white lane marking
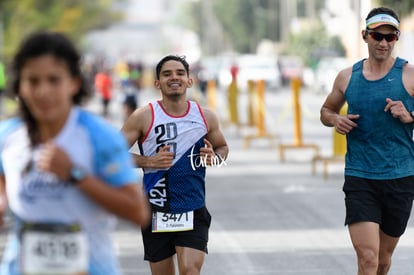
(250, 241)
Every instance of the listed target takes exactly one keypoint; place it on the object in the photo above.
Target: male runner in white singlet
(177, 140)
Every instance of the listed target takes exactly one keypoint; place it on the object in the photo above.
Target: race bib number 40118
(169, 222)
(47, 251)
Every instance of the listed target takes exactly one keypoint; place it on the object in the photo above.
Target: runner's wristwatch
(77, 174)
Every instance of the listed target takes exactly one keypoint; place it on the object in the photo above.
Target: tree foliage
(313, 43)
(402, 7)
(72, 17)
(246, 22)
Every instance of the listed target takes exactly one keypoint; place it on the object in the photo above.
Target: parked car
(326, 72)
(216, 68)
(256, 67)
(290, 67)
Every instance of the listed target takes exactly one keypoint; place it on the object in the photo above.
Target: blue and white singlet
(39, 197)
(181, 188)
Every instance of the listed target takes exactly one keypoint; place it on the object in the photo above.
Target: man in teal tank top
(379, 163)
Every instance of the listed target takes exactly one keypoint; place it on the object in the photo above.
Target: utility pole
(288, 11)
(310, 9)
(212, 36)
(273, 20)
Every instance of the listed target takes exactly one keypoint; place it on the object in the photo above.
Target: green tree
(248, 22)
(402, 7)
(313, 43)
(73, 17)
(244, 23)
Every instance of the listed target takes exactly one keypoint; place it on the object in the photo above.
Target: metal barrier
(338, 149)
(297, 143)
(257, 112)
(211, 95)
(233, 93)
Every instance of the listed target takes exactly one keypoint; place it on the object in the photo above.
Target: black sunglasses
(389, 37)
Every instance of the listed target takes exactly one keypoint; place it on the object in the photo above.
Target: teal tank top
(381, 147)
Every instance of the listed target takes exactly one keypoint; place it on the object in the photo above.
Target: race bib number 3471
(169, 222)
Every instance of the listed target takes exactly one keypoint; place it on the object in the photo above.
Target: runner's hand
(207, 153)
(163, 159)
(54, 160)
(345, 123)
(398, 110)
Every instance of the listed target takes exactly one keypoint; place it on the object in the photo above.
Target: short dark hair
(178, 58)
(383, 10)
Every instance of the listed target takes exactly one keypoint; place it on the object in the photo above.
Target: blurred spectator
(130, 103)
(197, 70)
(103, 85)
(90, 69)
(234, 70)
(135, 75)
(122, 73)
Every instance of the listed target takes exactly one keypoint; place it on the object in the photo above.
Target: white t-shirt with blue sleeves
(40, 197)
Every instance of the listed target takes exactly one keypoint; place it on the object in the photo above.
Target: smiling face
(173, 80)
(380, 50)
(47, 88)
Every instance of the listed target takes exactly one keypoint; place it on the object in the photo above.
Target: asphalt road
(270, 216)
